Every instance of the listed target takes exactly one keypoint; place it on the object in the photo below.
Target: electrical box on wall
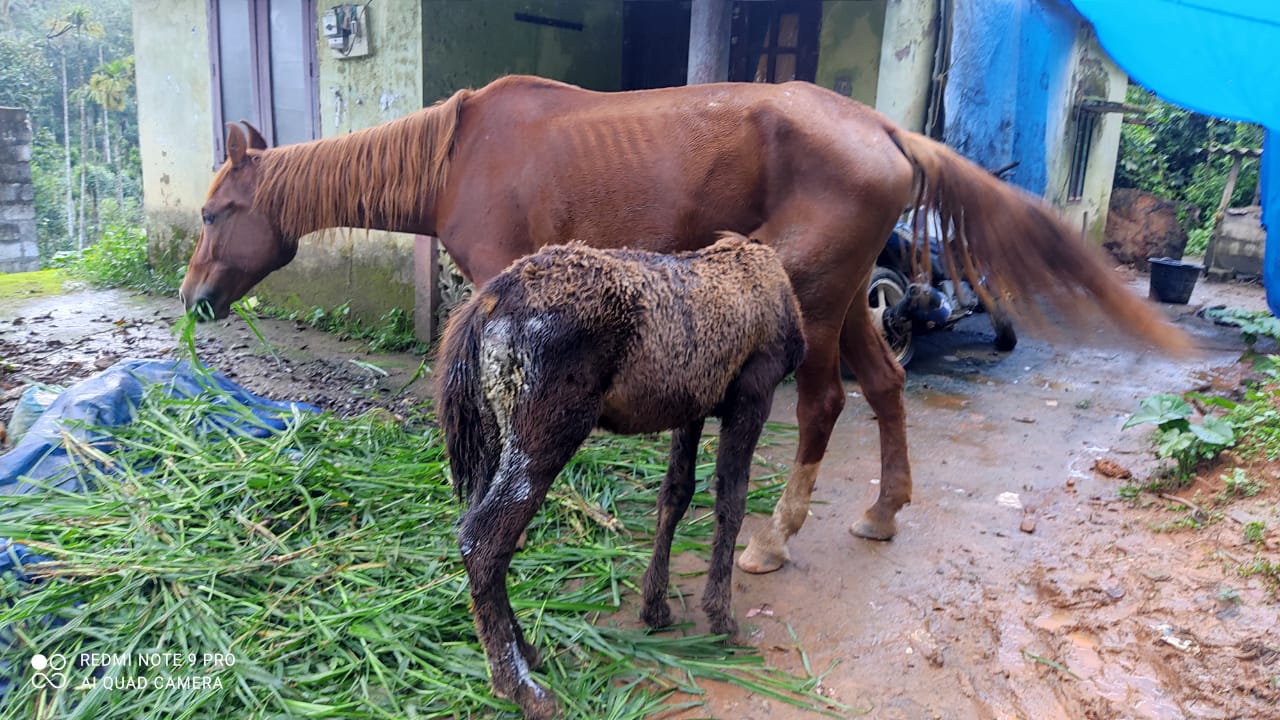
(345, 29)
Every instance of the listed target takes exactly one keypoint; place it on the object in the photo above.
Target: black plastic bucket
(1173, 280)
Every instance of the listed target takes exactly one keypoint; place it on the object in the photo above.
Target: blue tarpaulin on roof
(1217, 57)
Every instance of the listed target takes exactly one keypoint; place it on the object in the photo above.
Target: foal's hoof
(536, 702)
(657, 616)
(759, 558)
(871, 529)
(726, 626)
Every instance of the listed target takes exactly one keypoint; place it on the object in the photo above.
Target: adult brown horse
(525, 162)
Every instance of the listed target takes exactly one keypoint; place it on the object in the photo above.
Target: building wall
(1018, 70)
(468, 44)
(1093, 74)
(18, 249)
(420, 51)
(906, 61)
(360, 92)
(371, 271)
(171, 44)
(849, 46)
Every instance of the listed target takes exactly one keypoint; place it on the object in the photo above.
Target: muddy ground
(1021, 585)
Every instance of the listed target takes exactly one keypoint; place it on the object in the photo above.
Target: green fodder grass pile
(314, 572)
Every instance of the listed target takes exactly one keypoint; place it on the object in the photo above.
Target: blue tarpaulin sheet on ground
(1217, 57)
(43, 459)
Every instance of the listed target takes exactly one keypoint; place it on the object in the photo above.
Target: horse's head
(239, 245)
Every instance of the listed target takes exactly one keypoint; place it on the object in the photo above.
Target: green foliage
(1239, 484)
(1186, 443)
(94, 43)
(392, 332)
(324, 558)
(119, 259)
(1255, 532)
(1263, 568)
(1169, 156)
(1253, 324)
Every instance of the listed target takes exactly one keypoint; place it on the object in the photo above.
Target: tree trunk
(85, 153)
(66, 148)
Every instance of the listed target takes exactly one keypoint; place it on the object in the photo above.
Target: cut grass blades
(323, 560)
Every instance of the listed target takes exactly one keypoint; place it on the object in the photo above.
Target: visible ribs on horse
(572, 338)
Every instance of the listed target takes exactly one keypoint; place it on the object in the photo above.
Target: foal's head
(239, 245)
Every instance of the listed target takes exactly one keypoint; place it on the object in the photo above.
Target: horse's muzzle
(204, 307)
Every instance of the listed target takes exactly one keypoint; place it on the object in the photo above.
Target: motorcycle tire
(886, 289)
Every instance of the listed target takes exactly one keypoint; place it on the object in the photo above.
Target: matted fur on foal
(572, 338)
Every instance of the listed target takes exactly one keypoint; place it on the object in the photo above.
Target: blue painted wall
(1009, 91)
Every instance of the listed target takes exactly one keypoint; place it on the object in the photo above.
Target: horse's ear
(256, 141)
(237, 145)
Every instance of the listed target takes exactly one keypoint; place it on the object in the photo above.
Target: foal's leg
(488, 537)
(742, 418)
(531, 458)
(882, 380)
(673, 500)
(820, 398)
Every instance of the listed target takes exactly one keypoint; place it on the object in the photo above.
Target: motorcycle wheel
(887, 289)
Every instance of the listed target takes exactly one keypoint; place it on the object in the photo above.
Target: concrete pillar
(426, 286)
(906, 61)
(710, 28)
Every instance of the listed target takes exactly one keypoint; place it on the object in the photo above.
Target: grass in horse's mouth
(322, 561)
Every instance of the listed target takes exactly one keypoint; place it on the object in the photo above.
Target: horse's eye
(208, 217)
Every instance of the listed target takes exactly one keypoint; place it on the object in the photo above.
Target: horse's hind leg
(820, 398)
(742, 418)
(882, 380)
(673, 500)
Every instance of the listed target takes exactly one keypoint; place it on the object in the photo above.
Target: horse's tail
(1019, 248)
(470, 426)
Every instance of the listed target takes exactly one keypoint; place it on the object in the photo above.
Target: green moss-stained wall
(420, 51)
(849, 47)
(175, 126)
(359, 92)
(372, 272)
(467, 43)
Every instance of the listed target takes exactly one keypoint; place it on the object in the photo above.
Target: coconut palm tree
(77, 21)
(109, 87)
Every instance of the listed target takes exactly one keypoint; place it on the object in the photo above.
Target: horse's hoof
(756, 559)
(657, 616)
(874, 530)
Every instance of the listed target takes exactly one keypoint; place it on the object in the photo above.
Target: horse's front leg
(882, 380)
(742, 419)
(820, 398)
(489, 534)
(673, 500)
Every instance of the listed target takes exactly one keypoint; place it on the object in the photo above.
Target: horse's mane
(390, 172)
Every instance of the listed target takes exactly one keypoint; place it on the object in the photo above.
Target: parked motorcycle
(903, 309)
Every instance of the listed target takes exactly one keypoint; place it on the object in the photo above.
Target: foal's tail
(1021, 250)
(470, 427)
